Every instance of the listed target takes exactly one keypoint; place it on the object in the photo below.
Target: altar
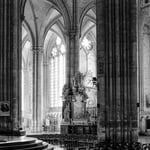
(77, 116)
(79, 129)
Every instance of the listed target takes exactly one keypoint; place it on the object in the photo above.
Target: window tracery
(88, 59)
(145, 3)
(57, 73)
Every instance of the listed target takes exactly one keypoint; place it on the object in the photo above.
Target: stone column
(72, 42)
(46, 78)
(10, 66)
(101, 117)
(133, 67)
(117, 70)
(37, 88)
(72, 61)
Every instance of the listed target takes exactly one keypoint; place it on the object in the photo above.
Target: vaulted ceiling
(57, 16)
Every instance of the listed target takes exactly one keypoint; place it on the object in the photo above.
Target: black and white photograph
(74, 74)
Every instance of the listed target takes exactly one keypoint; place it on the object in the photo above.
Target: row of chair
(60, 138)
(72, 141)
(114, 146)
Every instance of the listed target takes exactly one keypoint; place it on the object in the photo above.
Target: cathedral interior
(75, 73)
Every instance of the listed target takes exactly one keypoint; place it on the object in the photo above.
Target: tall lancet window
(87, 59)
(27, 72)
(57, 72)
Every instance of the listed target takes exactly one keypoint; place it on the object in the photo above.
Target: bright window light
(62, 49)
(86, 43)
(58, 40)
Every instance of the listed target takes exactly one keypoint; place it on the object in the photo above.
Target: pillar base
(118, 137)
(36, 129)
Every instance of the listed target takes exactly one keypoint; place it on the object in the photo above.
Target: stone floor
(142, 139)
(14, 138)
(22, 143)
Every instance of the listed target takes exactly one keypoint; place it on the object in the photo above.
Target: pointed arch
(62, 9)
(85, 10)
(22, 8)
(29, 31)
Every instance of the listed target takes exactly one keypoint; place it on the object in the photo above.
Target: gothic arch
(88, 32)
(22, 7)
(65, 14)
(29, 31)
(62, 9)
(35, 23)
(52, 23)
(91, 6)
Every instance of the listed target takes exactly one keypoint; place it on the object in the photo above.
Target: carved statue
(75, 94)
(65, 91)
(67, 113)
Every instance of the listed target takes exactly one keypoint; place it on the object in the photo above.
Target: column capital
(37, 49)
(45, 63)
(72, 32)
